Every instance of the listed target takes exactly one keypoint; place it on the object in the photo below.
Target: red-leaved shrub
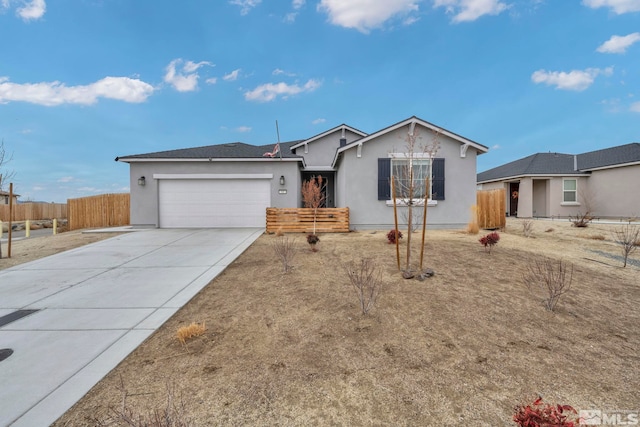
(391, 235)
(540, 414)
(489, 240)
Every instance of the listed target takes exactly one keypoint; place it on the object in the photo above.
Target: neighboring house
(602, 183)
(231, 185)
(4, 198)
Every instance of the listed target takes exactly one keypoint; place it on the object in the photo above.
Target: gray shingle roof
(233, 150)
(563, 164)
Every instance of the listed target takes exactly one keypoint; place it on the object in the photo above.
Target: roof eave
(532, 175)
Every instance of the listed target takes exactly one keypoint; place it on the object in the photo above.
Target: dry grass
(193, 330)
(464, 347)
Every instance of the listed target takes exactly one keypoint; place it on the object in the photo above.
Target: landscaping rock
(426, 274)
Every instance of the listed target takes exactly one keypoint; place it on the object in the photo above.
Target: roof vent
(343, 142)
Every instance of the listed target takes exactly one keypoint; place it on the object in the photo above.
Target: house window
(401, 170)
(421, 168)
(570, 191)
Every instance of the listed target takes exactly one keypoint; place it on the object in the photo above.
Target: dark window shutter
(437, 173)
(384, 174)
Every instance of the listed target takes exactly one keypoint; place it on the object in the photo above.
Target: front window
(401, 173)
(570, 190)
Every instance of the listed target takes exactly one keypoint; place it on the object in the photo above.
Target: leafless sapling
(553, 279)
(628, 237)
(366, 280)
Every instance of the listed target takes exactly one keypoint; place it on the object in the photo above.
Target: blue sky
(84, 81)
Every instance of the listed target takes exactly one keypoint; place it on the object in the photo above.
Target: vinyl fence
(105, 210)
(492, 208)
(300, 220)
(33, 211)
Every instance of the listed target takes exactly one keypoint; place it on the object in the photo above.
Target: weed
(527, 227)
(187, 332)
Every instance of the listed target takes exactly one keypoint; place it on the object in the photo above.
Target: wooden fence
(300, 220)
(33, 211)
(492, 208)
(106, 210)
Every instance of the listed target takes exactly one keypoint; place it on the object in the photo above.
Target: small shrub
(285, 249)
(173, 414)
(581, 220)
(366, 280)
(489, 241)
(312, 240)
(193, 330)
(553, 282)
(393, 234)
(527, 227)
(628, 238)
(539, 414)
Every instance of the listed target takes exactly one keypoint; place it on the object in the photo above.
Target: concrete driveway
(95, 305)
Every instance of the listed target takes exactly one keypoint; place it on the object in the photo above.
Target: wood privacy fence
(33, 211)
(492, 208)
(300, 220)
(105, 210)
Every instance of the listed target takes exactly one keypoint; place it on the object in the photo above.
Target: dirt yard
(461, 348)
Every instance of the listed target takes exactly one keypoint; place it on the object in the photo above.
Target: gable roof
(6, 193)
(234, 150)
(329, 132)
(563, 164)
(413, 119)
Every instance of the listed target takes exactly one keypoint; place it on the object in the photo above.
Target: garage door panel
(213, 202)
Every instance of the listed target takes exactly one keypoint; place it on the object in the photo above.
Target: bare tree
(628, 237)
(313, 195)
(553, 282)
(412, 182)
(366, 280)
(5, 175)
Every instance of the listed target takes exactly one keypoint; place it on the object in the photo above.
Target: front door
(514, 191)
(328, 189)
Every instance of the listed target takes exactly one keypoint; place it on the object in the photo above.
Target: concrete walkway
(96, 304)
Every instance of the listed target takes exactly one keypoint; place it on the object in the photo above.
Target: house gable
(319, 151)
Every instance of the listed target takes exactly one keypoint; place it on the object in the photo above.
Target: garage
(224, 201)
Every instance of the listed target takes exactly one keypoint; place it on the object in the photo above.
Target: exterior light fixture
(142, 181)
(281, 179)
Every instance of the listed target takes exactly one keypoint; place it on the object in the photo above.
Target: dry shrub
(473, 227)
(366, 280)
(193, 330)
(174, 414)
(628, 238)
(285, 249)
(527, 227)
(553, 282)
(279, 232)
(581, 220)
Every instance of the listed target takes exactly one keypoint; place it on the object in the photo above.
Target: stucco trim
(212, 176)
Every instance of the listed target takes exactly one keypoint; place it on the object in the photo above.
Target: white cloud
(243, 129)
(470, 10)
(577, 80)
(186, 79)
(619, 44)
(66, 179)
(56, 93)
(278, 72)
(365, 15)
(319, 121)
(33, 9)
(245, 5)
(212, 80)
(635, 107)
(297, 4)
(270, 91)
(618, 6)
(495, 147)
(232, 76)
